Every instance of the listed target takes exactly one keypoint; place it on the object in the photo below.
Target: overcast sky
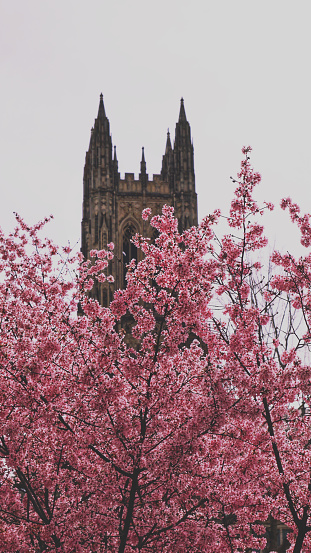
(243, 68)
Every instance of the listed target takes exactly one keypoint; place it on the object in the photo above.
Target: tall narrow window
(129, 250)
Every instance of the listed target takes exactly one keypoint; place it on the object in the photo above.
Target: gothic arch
(128, 250)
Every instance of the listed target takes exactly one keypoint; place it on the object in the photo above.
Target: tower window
(129, 250)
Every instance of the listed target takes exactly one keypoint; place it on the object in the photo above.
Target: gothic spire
(143, 168)
(101, 108)
(182, 131)
(167, 160)
(115, 160)
(168, 143)
(182, 113)
(183, 151)
(116, 176)
(143, 162)
(99, 163)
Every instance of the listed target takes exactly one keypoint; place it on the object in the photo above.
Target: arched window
(129, 251)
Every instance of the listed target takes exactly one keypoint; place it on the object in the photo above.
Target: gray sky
(243, 68)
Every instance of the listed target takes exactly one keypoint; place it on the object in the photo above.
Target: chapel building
(112, 206)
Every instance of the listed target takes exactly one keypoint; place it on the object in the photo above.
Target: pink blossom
(89, 284)
(146, 214)
(102, 254)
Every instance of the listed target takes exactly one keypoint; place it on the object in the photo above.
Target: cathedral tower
(112, 206)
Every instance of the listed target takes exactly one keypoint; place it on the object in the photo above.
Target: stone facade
(112, 206)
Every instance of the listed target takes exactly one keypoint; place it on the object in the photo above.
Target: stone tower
(112, 206)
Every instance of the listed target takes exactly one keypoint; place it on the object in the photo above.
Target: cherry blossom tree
(264, 329)
(103, 444)
(185, 435)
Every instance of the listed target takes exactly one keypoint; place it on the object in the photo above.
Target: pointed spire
(143, 177)
(168, 142)
(143, 162)
(167, 159)
(183, 152)
(101, 145)
(101, 108)
(182, 113)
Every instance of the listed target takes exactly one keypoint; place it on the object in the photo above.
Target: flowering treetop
(185, 437)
